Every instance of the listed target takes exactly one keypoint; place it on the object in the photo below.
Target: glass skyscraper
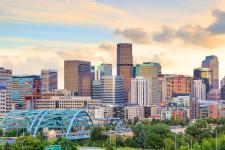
(125, 67)
(212, 63)
(49, 80)
(77, 77)
(22, 86)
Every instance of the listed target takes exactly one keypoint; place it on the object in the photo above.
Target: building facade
(151, 72)
(49, 80)
(77, 77)
(139, 91)
(179, 84)
(22, 86)
(212, 62)
(125, 67)
(62, 102)
(5, 91)
(103, 70)
(199, 89)
(96, 89)
(112, 90)
(206, 75)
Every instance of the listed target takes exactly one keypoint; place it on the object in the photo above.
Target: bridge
(69, 123)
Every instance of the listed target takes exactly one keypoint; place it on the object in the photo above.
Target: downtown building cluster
(136, 92)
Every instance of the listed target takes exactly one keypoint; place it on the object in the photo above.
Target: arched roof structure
(70, 123)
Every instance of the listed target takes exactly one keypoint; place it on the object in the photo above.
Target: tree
(7, 146)
(65, 144)
(1, 132)
(29, 142)
(97, 133)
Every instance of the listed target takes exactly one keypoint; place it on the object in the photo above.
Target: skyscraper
(49, 80)
(22, 86)
(104, 70)
(139, 91)
(199, 89)
(151, 72)
(112, 90)
(5, 91)
(212, 63)
(125, 67)
(222, 90)
(77, 77)
(206, 75)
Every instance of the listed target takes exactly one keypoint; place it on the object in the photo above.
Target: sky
(178, 34)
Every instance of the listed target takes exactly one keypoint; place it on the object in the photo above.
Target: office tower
(151, 71)
(96, 89)
(214, 94)
(49, 80)
(139, 91)
(206, 75)
(199, 89)
(5, 91)
(92, 73)
(77, 77)
(112, 90)
(222, 82)
(22, 86)
(104, 70)
(125, 67)
(179, 84)
(163, 88)
(212, 63)
(222, 92)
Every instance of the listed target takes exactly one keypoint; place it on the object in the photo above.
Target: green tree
(28, 143)
(7, 146)
(97, 133)
(66, 144)
(1, 132)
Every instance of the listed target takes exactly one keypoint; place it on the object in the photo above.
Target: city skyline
(33, 38)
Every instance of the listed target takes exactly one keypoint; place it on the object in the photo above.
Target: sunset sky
(39, 34)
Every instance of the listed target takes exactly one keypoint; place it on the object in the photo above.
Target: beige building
(63, 102)
(134, 112)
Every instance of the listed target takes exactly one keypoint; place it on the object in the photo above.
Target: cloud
(218, 27)
(63, 12)
(166, 34)
(31, 59)
(136, 35)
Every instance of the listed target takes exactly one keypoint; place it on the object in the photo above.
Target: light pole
(22, 143)
(216, 141)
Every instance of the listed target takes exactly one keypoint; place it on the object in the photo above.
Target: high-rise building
(5, 91)
(222, 90)
(96, 89)
(77, 77)
(214, 94)
(22, 86)
(139, 91)
(222, 82)
(179, 84)
(199, 89)
(151, 71)
(92, 73)
(125, 67)
(206, 75)
(112, 90)
(104, 70)
(49, 80)
(163, 88)
(212, 63)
